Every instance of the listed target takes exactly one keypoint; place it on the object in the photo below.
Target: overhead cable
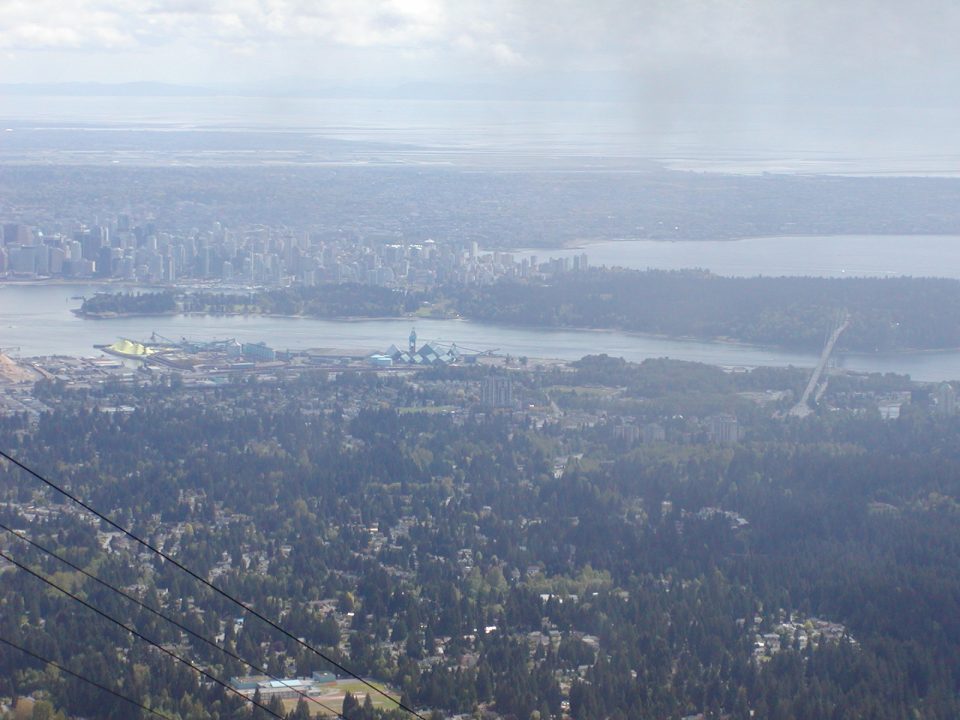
(239, 603)
(139, 635)
(172, 621)
(87, 680)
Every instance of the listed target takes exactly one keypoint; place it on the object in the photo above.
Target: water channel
(37, 319)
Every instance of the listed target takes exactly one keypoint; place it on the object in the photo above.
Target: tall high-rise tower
(413, 341)
(496, 392)
(946, 400)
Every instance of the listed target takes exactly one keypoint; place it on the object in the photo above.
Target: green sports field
(332, 696)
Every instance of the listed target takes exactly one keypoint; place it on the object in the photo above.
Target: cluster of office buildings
(257, 255)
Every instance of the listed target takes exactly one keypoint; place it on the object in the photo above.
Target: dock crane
(157, 337)
(475, 351)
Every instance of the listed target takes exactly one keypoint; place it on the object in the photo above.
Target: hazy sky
(874, 51)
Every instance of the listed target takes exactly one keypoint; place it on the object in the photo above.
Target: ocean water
(814, 256)
(704, 138)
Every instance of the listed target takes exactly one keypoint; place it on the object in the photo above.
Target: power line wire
(204, 581)
(159, 614)
(87, 680)
(139, 635)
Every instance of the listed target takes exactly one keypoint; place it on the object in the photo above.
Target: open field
(333, 696)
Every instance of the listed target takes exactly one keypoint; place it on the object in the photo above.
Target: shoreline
(722, 341)
(587, 243)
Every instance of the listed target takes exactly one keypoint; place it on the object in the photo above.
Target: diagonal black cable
(204, 581)
(87, 680)
(137, 634)
(159, 614)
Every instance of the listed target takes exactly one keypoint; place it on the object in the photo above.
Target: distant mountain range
(132, 89)
(584, 87)
(295, 88)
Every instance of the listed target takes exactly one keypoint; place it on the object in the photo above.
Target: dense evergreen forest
(797, 312)
(524, 564)
(140, 303)
(326, 300)
(886, 315)
(329, 300)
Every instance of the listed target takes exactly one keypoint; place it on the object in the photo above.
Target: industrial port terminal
(230, 355)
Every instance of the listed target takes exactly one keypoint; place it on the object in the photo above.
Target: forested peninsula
(790, 312)
(886, 314)
(335, 300)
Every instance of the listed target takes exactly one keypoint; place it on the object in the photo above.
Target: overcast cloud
(822, 49)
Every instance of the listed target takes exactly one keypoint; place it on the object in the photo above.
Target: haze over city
(395, 359)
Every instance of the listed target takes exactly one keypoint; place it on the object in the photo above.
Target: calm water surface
(37, 319)
(729, 138)
(827, 256)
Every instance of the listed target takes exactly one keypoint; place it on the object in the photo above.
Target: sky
(873, 52)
